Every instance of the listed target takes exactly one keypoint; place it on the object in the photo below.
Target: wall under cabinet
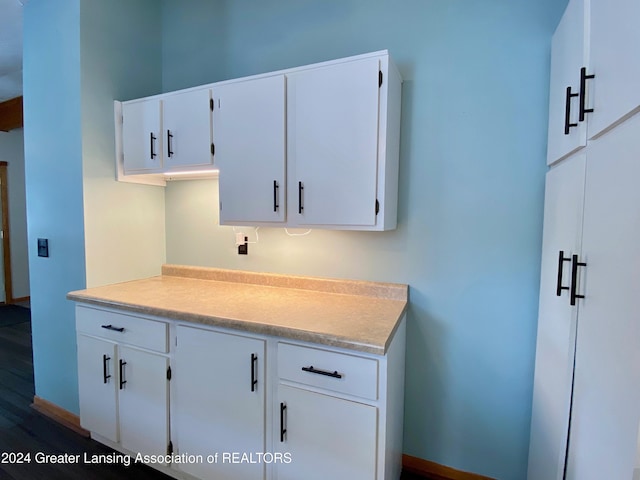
(471, 193)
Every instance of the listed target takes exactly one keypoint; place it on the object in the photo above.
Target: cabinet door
(567, 58)
(332, 119)
(142, 136)
(250, 150)
(143, 401)
(606, 405)
(614, 62)
(97, 384)
(563, 208)
(217, 407)
(187, 129)
(327, 437)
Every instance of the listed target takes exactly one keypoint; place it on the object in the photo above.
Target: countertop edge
(245, 326)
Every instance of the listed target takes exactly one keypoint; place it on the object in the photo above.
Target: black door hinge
(211, 104)
(213, 149)
(169, 373)
(170, 448)
(379, 78)
(377, 206)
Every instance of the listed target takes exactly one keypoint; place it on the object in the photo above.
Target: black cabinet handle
(111, 327)
(567, 111)
(561, 260)
(254, 380)
(276, 187)
(333, 374)
(583, 92)
(300, 190)
(152, 139)
(105, 376)
(169, 137)
(574, 278)
(121, 371)
(283, 430)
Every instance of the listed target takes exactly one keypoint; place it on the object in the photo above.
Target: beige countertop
(357, 315)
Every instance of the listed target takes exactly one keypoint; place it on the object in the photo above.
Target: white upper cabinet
(142, 136)
(333, 143)
(594, 71)
(187, 130)
(314, 147)
(249, 139)
(568, 55)
(614, 61)
(343, 138)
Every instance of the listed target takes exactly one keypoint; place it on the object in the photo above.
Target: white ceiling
(10, 48)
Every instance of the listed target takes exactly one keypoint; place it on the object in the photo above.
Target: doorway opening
(6, 295)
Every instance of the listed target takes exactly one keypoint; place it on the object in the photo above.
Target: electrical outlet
(243, 249)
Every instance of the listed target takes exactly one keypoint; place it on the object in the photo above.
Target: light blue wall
(121, 59)
(53, 169)
(471, 193)
(78, 58)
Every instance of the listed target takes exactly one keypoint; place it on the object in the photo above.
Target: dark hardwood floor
(25, 431)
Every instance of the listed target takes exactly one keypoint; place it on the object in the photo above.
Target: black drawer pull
(333, 374)
(583, 95)
(105, 375)
(275, 196)
(561, 260)
(567, 111)
(122, 380)
(300, 190)
(574, 278)
(152, 138)
(254, 380)
(115, 329)
(169, 137)
(283, 430)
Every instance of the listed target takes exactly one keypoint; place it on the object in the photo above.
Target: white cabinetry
(323, 413)
(187, 129)
(293, 410)
(594, 387)
(318, 427)
(166, 133)
(568, 55)
(219, 401)
(333, 143)
(142, 136)
(606, 401)
(122, 379)
(594, 68)
(614, 61)
(249, 140)
(557, 319)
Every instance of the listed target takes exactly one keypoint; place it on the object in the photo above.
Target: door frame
(6, 250)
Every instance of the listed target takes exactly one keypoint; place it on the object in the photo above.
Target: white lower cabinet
(97, 385)
(326, 436)
(219, 402)
(124, 390)
(231, 405)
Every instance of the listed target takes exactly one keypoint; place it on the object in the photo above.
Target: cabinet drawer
(330, 370)
(137, 331)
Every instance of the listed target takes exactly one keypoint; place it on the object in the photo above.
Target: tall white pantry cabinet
(586, 401)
